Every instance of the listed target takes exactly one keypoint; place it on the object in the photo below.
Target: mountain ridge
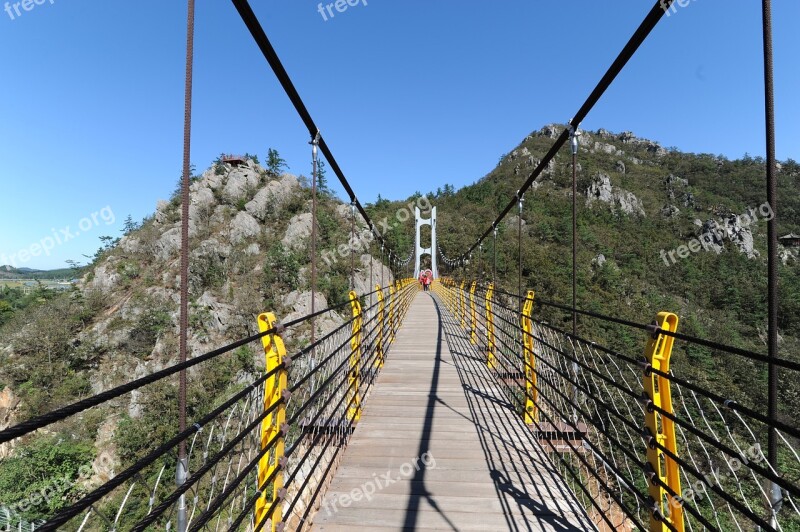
(249, 231)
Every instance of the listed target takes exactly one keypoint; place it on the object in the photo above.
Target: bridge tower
(419, 251)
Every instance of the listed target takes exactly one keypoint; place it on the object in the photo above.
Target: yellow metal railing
(531, 390)
(269, 466)
(661, 429)
(381, 316)
(473, 335)
(354, 380)
(664, 487)
(491, 347)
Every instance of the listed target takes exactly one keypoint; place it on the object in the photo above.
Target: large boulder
(600, 189)
(161, 215)
(223, 316)
(169, 244)
(733, 228)
(606, 148)
(670, 211)
(130, 244)
(299, 305)
(201, 205)
(272, 197)
(363, 281)
(211, 248)
(105, 277)
(712, 236)
(551, 131)
(740, 234)
(241, 183)
(298, 231)
(629, 203)
(244, 227)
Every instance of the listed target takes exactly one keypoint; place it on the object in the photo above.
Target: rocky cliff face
(8, 405)
(601, 190)
(249, 244)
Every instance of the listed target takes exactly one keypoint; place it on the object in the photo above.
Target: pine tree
(275, 163)
(322, 181)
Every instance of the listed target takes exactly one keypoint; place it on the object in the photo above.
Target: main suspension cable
(264, 44)
(639, 36)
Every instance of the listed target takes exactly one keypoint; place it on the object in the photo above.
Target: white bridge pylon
(419, 250)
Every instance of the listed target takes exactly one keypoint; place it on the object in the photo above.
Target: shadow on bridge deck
(439, 447)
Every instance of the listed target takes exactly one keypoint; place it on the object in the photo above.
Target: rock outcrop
(715, 232)
(272, 198)
(298, 231)
(601, 190)
(8, 406)
(244, 227)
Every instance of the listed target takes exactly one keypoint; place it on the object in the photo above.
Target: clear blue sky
(409, 95)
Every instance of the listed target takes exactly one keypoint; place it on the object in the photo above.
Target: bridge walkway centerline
(438, 446)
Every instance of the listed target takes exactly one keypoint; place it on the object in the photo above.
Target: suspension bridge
(462, 408)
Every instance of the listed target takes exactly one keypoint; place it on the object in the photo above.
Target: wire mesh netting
(326, 384)
(590, 407)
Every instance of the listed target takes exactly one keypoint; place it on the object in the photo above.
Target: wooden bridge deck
(438, 447)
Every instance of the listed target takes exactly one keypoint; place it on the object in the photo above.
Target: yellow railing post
(449, 294)
(473, 335)
(274, 387)
(398, 314)
(392, 306)
(531, 393)
(354, 411)
(666, 507)
(381, 314)
(490, 345)
(462, 306)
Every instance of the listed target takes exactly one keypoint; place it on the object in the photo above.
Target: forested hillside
(637, 198)
(657, 230)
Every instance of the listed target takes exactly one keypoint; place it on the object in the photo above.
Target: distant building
(233, 160)
(790, 241)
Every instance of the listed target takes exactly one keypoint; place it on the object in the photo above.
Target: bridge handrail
(31, 425)
(575, 382)
(752, 355)
(314, 393)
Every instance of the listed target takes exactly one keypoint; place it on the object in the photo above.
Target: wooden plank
(484, 469)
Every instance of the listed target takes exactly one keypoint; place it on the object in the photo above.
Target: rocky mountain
(657, 230)
(249, 232)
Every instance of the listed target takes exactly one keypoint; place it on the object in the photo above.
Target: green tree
(75, 266)
(322, 180)
(129, 226)
(275, 163)
(42, 477)
(6, 311)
